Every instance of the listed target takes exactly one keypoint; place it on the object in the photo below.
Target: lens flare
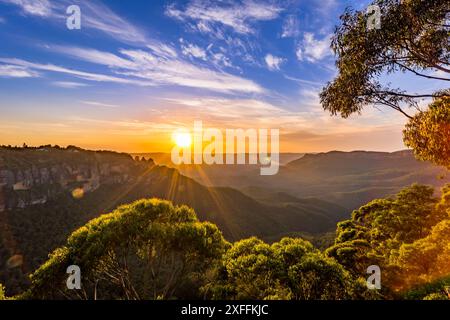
(78, 193)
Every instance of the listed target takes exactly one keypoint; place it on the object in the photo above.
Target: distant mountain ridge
(353, 161)
(350, 179)
(354, 178)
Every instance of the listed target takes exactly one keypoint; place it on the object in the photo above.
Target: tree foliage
(147, 250)
(405, 235)
(436, 296)
(413, 39)
(2, 292)
(428, 133)
(436, 290)
(288, 269)
(428, 258)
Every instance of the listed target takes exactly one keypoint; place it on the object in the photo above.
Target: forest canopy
(152, 249)
(407, 236)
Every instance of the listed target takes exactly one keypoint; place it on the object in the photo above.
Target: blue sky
(138, 70)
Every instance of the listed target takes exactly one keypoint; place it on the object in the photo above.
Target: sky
(138, 70)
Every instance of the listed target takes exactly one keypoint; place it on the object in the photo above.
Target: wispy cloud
(41, 8)
(163, 68)
(306, 82)
(215, 56)
(273, 62)
(230, 112)
(158, 64)
(27, 65)
(208, 17)
(312, 49)
(192, 50)
(69, 84)
(162, 50)
(309, 97)
(95, 15)
(290, 27)
(179, 72)
(100, 17)
(239, 16)
(241, 113)
(127, 126)
(14, 71)
(95, 56)
(100, 104)
(220, 59)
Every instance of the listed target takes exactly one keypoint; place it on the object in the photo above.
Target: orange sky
(319, 134)
(147, 126)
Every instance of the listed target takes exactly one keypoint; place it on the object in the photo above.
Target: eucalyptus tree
(149, 249)
(412, 38)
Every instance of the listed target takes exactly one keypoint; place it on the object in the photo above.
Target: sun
(182, 139)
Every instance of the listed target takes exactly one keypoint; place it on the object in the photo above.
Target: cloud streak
(99, 17)
(238, 16)
(69, 84)
(95, 16)
(31, 66)
(160, 66)
(15, 71)
(99, 104)
(41, 8)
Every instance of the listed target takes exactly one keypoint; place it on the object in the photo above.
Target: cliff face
(33, 176)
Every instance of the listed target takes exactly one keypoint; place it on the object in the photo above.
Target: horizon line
(168, 152)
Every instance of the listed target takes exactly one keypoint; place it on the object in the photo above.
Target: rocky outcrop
(30, 177)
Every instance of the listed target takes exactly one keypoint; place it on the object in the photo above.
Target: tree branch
(393, 106)
(414, 96)
(420, 74)
(420, 57)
